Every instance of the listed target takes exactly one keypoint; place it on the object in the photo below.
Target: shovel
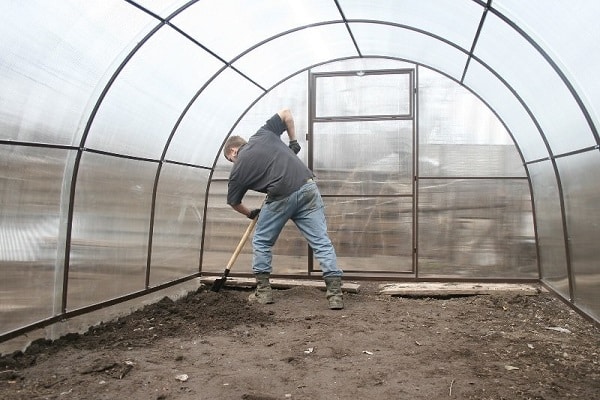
(219, 283)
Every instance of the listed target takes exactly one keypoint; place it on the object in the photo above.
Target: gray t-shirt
(266, 165)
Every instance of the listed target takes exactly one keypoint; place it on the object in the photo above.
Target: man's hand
(254, 213)
(295, 146)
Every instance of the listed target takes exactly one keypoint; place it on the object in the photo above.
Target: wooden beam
(277, 283)
(432, 289)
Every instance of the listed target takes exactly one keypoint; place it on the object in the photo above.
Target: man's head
(232, 146)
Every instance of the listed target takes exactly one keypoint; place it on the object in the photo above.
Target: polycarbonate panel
(363, 157)
(469, 160)
(428, 15)
(210, 118)
(229, 28)
(164, 8)
(459, 135)
(477, 228)
(111, 223)
(389, 41)
(275, 60)
(55, 58)
(30, 191)
(371, 234)
(536, 83)
(581, 189)
(178, 223)
(140, 110)
(507, 106)
(550, 232)
(554, 25)
(364, 94)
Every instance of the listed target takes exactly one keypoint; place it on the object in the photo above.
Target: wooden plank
(433, 289)
(278, 283)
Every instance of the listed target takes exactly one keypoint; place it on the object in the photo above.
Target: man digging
(266, 165)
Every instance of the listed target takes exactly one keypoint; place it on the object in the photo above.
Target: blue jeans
(305, 207)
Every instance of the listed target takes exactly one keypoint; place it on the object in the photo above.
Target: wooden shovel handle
(241, 244)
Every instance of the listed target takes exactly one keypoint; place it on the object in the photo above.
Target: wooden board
(433, 289)
(277, 283)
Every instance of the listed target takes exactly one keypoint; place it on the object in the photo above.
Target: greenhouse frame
(452, 141)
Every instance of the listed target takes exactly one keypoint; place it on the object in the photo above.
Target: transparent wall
(475, 213)
(371, 235)
(111, 225)
(364, 158)
(549, 223)
(30, 192)
(476, 228)
(474, 217)
(579, 174)
(178, 222)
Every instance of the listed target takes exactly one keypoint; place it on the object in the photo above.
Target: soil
(211, 345)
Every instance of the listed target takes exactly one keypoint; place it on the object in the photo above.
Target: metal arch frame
(487, 6)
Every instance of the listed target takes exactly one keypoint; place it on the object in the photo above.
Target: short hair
(233, 141)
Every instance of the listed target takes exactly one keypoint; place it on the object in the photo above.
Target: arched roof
(105, 65)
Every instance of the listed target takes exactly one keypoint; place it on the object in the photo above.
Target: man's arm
(242, 209)
(288, 121)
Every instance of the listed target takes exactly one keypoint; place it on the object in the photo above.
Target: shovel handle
(241, 244)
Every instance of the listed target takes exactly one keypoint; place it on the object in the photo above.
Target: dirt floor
(217, 346)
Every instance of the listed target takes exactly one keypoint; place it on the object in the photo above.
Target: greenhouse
(452, 141)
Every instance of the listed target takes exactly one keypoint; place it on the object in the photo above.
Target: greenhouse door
(361, 149)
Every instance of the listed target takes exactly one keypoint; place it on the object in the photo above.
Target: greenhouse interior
(452, 141)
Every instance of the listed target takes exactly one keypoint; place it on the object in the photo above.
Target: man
(265, 164)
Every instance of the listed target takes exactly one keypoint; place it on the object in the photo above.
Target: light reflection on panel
(536, 83)
(389, 41)
(551, 242)
(363, 158)
(210, 118)
(449, 113)
(273, 61)
(178, 222)
(469, 160)
(553, 25)
(476, 229)
(142, 106)
(55, 58)
(428, 15)
(506, 105)
(459, 135)
(227, 33)
(581, 188)
(30, 183)
(111, 222)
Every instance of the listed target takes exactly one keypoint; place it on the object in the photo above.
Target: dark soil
(218, 346)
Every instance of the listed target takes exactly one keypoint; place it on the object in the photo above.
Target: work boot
(263, 293)
(334, 292)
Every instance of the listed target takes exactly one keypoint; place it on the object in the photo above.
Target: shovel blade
(218, 284)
